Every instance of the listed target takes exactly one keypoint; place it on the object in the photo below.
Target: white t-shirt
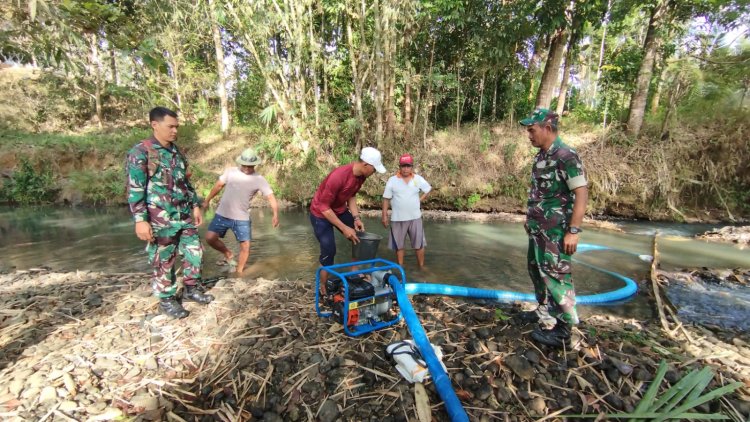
(239, 189)
(405, 196)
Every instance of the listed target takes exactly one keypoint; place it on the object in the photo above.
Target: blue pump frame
(376, 264)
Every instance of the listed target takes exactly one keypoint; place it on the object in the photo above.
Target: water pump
(361, 299)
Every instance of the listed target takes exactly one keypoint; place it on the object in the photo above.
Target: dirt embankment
(90, 346)
(476, 169)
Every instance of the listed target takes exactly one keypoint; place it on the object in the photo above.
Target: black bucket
(367, 247)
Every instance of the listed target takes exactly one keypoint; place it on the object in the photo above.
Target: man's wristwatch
(574, 230)
(356, 217)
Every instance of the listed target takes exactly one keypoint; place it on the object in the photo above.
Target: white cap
(372, 157)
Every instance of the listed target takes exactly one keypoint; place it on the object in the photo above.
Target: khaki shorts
(399, 230)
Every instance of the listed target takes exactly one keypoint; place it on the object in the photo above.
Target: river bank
(475, 169)
(90, 346)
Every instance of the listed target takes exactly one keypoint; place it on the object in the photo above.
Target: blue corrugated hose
(628, 290)
(439, 376)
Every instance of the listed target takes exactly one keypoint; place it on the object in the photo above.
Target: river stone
(483, 333)
(22, 374)
(70, 385)
(503, 395)
(520, 366)
(538, 406)
(145, 401)
(272, 417)
(15, 387)
(48, 395)
(151, 364)
(103, 363)
(329, 412)
(532, 356)
(484, 392)
(624, 368)
(94, 300)
(31, 393)
(274, 331)
(68, 406)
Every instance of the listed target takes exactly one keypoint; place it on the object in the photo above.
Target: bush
(28, 186)
(100, 187)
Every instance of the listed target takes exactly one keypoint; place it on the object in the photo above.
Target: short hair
(157, 114)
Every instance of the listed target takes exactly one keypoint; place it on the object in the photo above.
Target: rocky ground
(91, 346)
(485, 217)
(733, 234)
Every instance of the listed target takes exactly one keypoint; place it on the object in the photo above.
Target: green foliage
(509, 152)
(501, 316)
(677, 402)
(100, 187)
(467, 203)
(268, 114)
(512, 187)
(271, 145)
(29, 186)
(486, 140)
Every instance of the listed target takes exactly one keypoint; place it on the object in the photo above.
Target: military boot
(171, 307)
(197, 294)
(532, 317)
(558, 337)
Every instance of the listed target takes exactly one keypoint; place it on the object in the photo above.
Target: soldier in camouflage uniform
(556, 205)
(167, 212)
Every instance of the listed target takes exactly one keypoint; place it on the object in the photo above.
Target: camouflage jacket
(554, 175)
(158, 189)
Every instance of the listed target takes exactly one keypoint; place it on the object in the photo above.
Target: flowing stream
(485, 255)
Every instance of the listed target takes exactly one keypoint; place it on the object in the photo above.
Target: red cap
(406, 159)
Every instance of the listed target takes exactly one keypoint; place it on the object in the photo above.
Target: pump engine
(362, 299)
(370, 299)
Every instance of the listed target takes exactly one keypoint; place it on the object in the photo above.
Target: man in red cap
(404, 192)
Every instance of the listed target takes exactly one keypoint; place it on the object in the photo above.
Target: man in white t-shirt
(404, 192)
(242, 183)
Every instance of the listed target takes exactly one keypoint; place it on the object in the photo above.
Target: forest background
(653, 94)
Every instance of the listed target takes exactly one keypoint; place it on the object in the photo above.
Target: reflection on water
(486, 255)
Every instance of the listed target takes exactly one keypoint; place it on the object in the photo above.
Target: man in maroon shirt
(335, 205)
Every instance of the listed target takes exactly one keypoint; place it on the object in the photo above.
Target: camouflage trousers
(550, 272)
(162, 255)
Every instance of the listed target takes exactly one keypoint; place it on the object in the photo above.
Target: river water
(486, 255)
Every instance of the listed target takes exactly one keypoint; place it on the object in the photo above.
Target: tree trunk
(314, 68)
(357, 82)
(566, 75)
(551, 69)
(428, 97)
(222, 88)
(407, 102)
(96, 65)
(640, 95)
(656, 98)
(533, 63)
(176, 83)
(113, 66)
(494, 99)
(601, 53)
(606, 109)
(458, 96)
(379, 77)
(481, 99)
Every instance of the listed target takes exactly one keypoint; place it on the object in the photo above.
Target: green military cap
(541, 115)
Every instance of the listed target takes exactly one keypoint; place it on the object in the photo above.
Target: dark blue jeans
(324, 233)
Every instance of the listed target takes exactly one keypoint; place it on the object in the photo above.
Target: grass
(677, 402)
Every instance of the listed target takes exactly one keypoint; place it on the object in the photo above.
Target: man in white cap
(335, 205)
(242, 183)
